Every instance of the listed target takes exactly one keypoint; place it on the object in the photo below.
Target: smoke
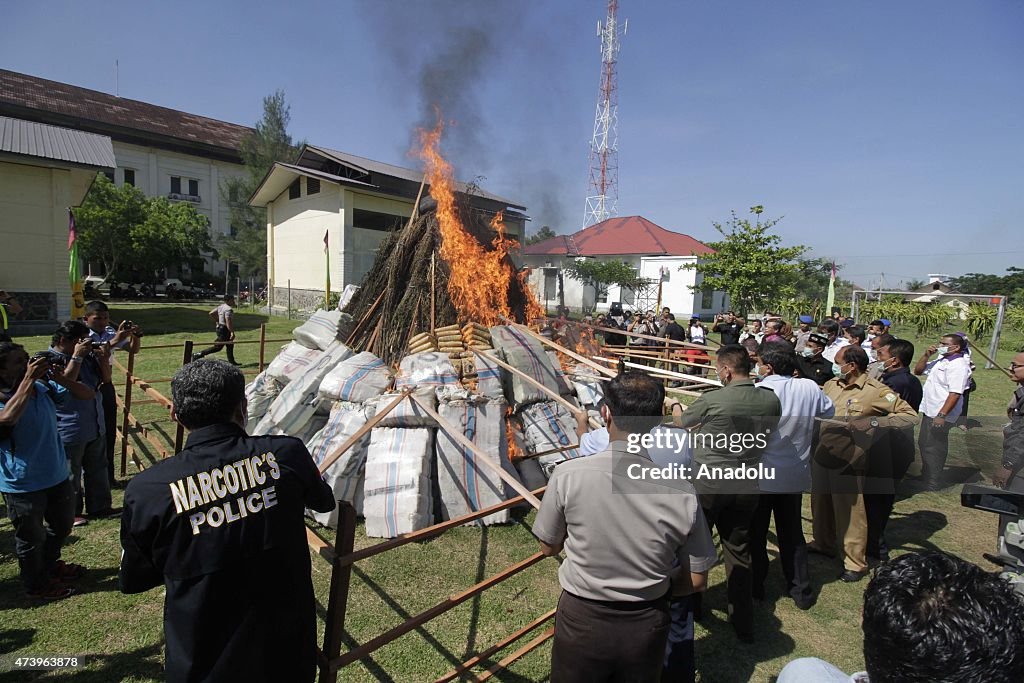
(444, 51)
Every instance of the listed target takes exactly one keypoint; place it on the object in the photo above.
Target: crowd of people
(836, 404)
(839, 403)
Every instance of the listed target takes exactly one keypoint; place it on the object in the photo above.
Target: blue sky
(890, 135)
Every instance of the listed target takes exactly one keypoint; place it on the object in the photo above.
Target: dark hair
(960, 340)
(6, 349)
(856, 355)
(750, 346)
(877, 323)
(72, 329)
(207, 392)
(830, 326)
(780, 355)
(777, 323)
(635, 400)
(934, 617)
(902, 350)
(736, 357)
(884, 339)
(857, 331)
(95, 307)
(671, 317)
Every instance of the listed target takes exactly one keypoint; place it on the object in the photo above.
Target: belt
(624, 605)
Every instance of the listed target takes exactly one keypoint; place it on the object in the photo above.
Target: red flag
(72, 235)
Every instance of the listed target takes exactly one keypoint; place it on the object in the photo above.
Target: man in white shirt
(836, 341)
(223, 318)
(788, 454)
(949, 375)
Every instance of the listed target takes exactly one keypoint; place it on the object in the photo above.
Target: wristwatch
(940, 415)
(874, 422)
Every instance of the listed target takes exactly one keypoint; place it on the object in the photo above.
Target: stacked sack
(547, 424)
(449, 339)
(424, 341)
(476, 336)
(322, 329)
(346, 475)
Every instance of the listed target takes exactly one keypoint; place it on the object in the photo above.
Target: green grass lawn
(120, 636)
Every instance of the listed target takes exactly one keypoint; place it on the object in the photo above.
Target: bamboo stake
(361, 432)
(433, 285)
(483, 458)
(558, 347)
(1006, 372)
(675, 375)
(577, 412)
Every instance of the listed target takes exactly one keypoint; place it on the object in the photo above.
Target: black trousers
(732, 514)
(788, 511)
(108, 393)
(223, 334)
(41, 520)
(934, 444)
(603, 641)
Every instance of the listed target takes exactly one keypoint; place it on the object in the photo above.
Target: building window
(129, 177)
(550, 284)
(193, 188)
(175, 184)
(602, 295)
(110, 175)
(312, 186)
(294, 191)
(707, 299)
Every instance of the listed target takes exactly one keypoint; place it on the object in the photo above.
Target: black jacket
(220, 525)
(817, 368)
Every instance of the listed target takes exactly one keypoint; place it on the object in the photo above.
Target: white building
(43, 171)
(355, 202)
(655, 253)
(161, 151)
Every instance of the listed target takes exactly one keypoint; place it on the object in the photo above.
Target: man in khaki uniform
(841, 458)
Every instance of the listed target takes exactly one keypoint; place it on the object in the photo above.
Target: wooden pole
(179, 433)
(361, 432)
(572, 354)
(666, 373)
(263, 345)
(127, 409)
(993, 363)
(337, 598)
(482, 458)
(433, 285)
(637, 335)
(554, 395)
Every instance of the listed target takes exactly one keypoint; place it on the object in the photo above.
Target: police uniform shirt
(221, 526)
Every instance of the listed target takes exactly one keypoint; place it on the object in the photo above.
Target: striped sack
(298, 402)
(259, 394)
(548, 425)
(524, 353)
(397, 495)
(292, 361)
(345, 476)
(361, 378)
(320, 331)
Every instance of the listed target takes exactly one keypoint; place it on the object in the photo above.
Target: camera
(1011, 544)
(55, 360)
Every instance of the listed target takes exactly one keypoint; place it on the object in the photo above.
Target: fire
(480, 277)
(513, 448)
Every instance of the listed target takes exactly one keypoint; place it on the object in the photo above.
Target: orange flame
(480, 277)
(513, 448)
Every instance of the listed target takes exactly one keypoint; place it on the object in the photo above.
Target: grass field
(119, 637)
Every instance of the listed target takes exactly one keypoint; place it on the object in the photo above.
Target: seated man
(932, 617)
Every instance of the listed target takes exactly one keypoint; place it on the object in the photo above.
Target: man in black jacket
(729, 327)
(220, 524)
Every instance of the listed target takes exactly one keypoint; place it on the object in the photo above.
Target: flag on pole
(327, 260)
(74, 274)
(831, 292)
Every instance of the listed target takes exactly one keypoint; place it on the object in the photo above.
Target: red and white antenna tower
(604, 146)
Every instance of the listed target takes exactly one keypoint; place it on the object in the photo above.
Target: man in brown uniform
(841, 458)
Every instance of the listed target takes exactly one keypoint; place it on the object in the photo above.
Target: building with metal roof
(658, 255)
(44, 169)
(354, 201)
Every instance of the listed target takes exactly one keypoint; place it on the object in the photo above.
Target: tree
(269, 142)
(748, 263)
(104, 223)
(119, 226)
(602, 274)
(543, 234)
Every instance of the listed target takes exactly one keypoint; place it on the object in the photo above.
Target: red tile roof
(22, 96)
(624, 235)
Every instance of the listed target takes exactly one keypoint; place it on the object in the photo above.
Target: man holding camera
(727, 325)
(34, 471)
(80, 420)
(128, 336)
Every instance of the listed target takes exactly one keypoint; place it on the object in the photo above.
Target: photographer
(34, 472)
(1011, 475)
(126, 336)
(727, 325)
(80, 419)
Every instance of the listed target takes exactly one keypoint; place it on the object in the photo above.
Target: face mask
(837, 370)
(871, 336)
(942, 350)
(757, 370)
(807, 352)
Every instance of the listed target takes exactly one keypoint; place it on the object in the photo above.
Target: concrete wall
(297, 240)
(34, 234)
(153, 171)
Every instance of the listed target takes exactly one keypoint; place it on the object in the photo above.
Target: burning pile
(447, 266)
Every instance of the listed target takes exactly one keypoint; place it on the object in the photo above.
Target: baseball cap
(806, 319)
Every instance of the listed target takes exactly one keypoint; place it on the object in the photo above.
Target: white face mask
(807, 352)
(942, 350)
